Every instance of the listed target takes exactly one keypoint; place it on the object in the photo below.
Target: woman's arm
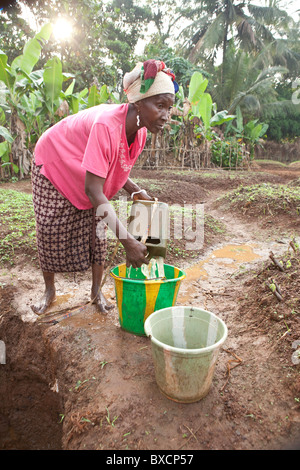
(138, 193)
(136, 252)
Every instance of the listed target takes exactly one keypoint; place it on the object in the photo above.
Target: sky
(290, 6)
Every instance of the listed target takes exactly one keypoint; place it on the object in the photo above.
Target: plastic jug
(149, 223)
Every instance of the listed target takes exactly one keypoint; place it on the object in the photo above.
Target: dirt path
(93, 385)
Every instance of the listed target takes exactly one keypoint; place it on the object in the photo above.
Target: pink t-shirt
(92, 140)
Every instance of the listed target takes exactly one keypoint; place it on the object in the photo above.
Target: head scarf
(148, 79)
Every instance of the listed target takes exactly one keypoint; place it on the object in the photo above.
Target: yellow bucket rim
(148, 281)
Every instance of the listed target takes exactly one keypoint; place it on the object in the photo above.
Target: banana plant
(97, 97)
(253, 132)
(76, 101)
(202, 105)
(36, 99)
(250, 133)
(33, 99)
(13, 75)
(198, 115)
(52, 80)
(16, 79)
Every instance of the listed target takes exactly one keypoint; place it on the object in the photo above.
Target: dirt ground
(84, 383)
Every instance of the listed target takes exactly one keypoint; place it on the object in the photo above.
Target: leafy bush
(284, 128)
(227, 153)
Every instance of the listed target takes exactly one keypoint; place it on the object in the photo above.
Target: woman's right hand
(143, 196)
(136, 253)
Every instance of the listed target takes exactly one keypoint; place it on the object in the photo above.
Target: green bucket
(185, 345)
(138, 297)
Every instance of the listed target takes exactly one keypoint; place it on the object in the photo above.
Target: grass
(206, 173)
(296, 182)
(212, 228)
(265, 198)
(215, 225)
(152, 187)
(108, 419)
(17, 225)
(295, 164)
(271, 162)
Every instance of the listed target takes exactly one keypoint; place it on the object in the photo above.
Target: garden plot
(84, 383)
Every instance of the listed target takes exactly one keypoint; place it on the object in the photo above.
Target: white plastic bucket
(185, 345)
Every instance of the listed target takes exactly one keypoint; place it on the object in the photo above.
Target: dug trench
(84, 383)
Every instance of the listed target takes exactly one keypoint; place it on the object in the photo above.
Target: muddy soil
(84, 383)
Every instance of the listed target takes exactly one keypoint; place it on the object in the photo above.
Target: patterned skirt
(68, 239)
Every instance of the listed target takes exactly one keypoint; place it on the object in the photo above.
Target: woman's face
(155, 111)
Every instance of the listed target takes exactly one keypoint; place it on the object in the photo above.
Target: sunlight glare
(62, 30)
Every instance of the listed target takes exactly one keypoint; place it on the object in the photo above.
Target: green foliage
(6, 134)
(19, 80)
(284, 128)
(248, 81)
(37, 97)
(14, 31)
(250, 133)
(285, 124)
(202, 104)
(125, 23)
(211, 24)
(85, 53)
(53, 80)
(97, 97)
(228, 153)
(254, 130)
(268, 199)
(5, 148)
(18, 225)
(252, 79)
(203, 117)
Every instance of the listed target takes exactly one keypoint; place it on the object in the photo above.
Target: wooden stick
(275, 291)
(277, 264)
(237, 359)
(292, 244)
(190, 437)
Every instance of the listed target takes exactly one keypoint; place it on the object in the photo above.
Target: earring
(138, 120)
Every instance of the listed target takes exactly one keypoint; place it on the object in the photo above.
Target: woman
(80, 164)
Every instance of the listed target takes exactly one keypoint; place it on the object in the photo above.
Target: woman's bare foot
(49, 295)
(100, 301)
(45, 302)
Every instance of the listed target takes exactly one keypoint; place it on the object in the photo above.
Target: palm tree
(214, 22)
(247, 81)
(254, 46)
